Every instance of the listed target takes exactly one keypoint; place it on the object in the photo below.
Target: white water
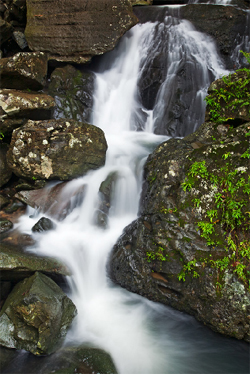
(141, 336)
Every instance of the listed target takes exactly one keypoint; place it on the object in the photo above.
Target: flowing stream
(142, 337)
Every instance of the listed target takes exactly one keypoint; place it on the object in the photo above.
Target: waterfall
(142, 337)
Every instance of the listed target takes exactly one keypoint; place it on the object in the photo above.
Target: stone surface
(5, 171)
(36, 316)
(68, 360)
(56, 149)
(77, 30)
(56, 201)
(73, 92)
(24, 71)
(16, 264)
(149, 256)
(44, 224)
(20, 104)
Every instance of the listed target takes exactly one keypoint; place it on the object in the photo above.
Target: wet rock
(73, 92)
(36, 316)
(236, 113)
(69, 360)
(5, 225)
(44, 224)
(20, 104)
(56, 149)
(5, 171)
(57, 201)
(148, 258)
(16, 264)
(20, 39)
(24, 70)
(85, 28)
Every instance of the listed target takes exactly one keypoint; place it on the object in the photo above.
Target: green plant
(234, 96)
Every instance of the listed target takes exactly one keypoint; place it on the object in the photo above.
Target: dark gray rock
(149, 256)
(36, 316)
(44, 224)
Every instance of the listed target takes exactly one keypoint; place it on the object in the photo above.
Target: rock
(67, 360)
(5, 171)
(73, 93)
(56, 149)
(230, 110)
(166, 243)
(55, 201)
(36, 316)
(44, 224)
(105, 196)
(5, 225)
(78, 30)
(5, 30)
(20, 104)
(16, 264)
(24, 70)
(20, 39)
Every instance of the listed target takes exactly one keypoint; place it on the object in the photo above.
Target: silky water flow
(142, 337)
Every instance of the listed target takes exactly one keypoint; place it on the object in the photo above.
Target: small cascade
(242, 43)
(189, 66)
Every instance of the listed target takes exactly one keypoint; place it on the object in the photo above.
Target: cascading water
(141, 336)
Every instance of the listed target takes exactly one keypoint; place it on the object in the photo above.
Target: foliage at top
(233, 96)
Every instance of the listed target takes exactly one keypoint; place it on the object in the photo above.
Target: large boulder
(24, 71)
(183, 251)
(73, 93)
(5, 171)
(56, 149)
(77, 30)
(6, 30)
(36, 316)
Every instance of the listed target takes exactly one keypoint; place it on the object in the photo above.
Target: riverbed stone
(56, 149)
(149, 257)
(78, 30)
(24, 70)
(36, 316)
(44, 224)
